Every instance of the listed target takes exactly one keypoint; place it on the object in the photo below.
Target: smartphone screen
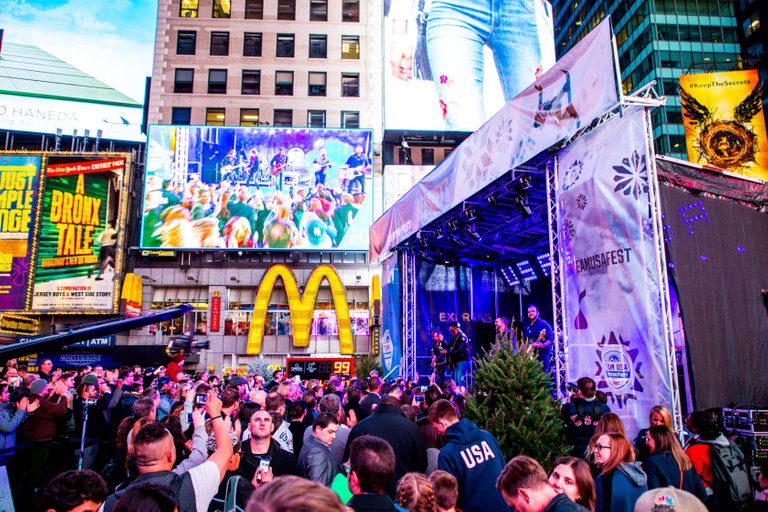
(263, 468)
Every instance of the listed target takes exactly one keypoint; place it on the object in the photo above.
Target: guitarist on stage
(439, 359)
(540, 337)
(358, 166)
(277, 164)
(320, 165)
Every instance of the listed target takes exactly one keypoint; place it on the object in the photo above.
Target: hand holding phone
(264, 473)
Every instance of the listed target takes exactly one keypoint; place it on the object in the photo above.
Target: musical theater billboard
(19, 174)
(78, 243)
(450, 66)
(257, 188)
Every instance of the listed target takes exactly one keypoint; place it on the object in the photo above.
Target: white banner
(613, 330)
(583, 85)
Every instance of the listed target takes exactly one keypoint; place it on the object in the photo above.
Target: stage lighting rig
(470, 214)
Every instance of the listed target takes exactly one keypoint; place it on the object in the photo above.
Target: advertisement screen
(258, 188)
(79, 237)
(399, 179)
(449, 66)
(18, 199)
(724, 122)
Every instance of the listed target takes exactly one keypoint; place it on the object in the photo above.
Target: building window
(222, 8)
(219, 43)
(252, 44)
(350, 10)
(316, 118)
(318, 10)
(284, 83)
(350, 47)
(283, 117)
(350, 85)
(286, 44)
(186, 42)
(214, 116)
(217, 81)
(752, 24)
(251, 82)
(254, 9)
(317, 81)
(249, 117)
(188, 9)
(350, 119)
(318, 46)
(183, 79)
(286, 9)
(181, 115)
(427, 156)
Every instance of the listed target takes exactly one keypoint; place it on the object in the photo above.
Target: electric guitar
(277, 169)
(317, 167)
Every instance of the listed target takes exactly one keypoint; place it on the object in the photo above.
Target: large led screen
(452, 65)
(18, 200)
(258, 188)
(80, 235)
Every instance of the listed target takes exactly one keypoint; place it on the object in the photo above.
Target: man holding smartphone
(262, 457)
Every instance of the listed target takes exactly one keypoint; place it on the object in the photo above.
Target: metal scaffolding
(558, 285)
(407, 262)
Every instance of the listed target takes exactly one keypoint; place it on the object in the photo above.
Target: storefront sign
(216, 312)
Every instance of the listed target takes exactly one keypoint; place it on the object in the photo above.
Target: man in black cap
(458, 353)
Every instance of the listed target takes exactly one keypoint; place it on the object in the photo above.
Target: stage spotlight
(492, 200)
(438, 233)
(521, 203)
(470, 214)
(472, 231)
(526, 182)
(452, 225)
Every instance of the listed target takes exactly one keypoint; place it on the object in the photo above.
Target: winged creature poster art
(724, 122)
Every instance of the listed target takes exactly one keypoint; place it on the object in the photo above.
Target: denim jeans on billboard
(457, 31)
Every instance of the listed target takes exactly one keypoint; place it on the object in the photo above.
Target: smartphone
(263, 468)
(419, 398)
(424, 388)
(201, 398)
(189, 418)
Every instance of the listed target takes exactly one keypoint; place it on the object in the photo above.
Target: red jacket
(41, 426)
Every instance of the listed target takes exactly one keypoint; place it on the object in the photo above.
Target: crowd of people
(141, 439)
(228, 214)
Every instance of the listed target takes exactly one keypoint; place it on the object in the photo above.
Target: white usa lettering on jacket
(476, 454)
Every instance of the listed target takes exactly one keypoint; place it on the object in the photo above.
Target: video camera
(185, 345)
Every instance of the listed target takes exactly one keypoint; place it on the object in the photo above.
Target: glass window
(214, 116)
(222, 8)
(286, 44)
(677, 143)
(183, 79)
(675, 116)
(188, 8)
(350, 10)
(286, 9)
(254, 9)
(219, 43)
(350, 85)
(249, 117)
(350, 119)
(316, 118)
(237, 323)
(181, 115)
(284, 83)
(427, 156)
(252, 44)
(318, 46)
(283, 117)
(317, 81)
(186, 42)
(217, 81)
(350, 47)
(318, 10)
(251, 81)
(751, 24)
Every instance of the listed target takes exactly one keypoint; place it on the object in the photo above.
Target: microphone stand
(81, 455)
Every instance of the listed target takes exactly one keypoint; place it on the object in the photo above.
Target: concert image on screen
(257, 188)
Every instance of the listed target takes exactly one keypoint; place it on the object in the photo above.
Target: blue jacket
(663, 471)
(8, 424)
(473, 456)
(628, 483)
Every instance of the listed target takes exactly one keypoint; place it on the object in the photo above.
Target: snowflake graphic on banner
(632, 175)
(581, 201)
(572, 174)
(618, 371)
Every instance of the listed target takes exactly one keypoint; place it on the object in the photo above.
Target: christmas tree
(511, 399)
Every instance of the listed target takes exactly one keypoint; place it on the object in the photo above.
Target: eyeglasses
(601, 447)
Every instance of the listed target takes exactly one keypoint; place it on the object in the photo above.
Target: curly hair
(415, 493)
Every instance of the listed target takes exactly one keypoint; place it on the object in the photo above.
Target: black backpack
(731, 484)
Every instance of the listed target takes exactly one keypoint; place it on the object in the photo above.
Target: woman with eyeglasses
(621, 480)
(668, 465)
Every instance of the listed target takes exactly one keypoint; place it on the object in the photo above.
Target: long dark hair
(584, 481)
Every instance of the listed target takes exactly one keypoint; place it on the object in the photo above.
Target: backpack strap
(230, 498)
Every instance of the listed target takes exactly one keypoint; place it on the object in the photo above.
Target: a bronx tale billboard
(62, 220)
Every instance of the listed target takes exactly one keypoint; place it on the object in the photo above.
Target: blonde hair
(664, 413)
(415, 493)
(294, 494)
(609, 422)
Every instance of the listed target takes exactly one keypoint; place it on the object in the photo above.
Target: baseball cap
(454, 324)
(162, 381)
(90, 379)
(38, 386)
(669, 499)
(237, 381)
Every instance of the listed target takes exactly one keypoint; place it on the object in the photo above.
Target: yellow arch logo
(300, 308)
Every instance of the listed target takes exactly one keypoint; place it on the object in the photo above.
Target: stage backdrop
(391, 328)
(718, 251)
(613, 332)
